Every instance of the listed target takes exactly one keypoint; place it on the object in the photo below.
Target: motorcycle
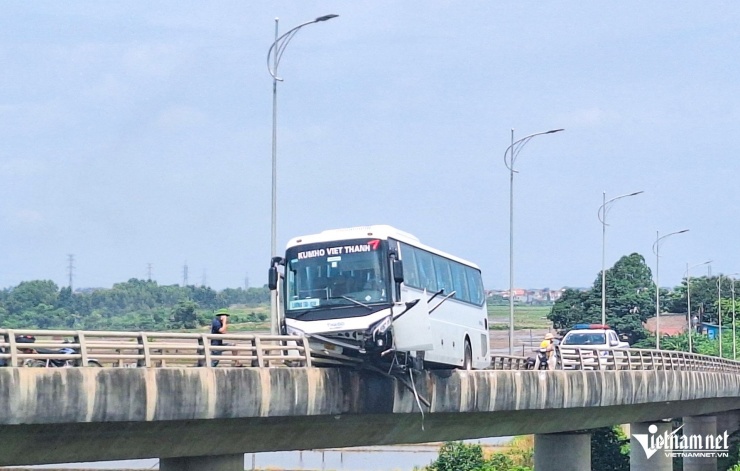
(542, 359)
(53, 362)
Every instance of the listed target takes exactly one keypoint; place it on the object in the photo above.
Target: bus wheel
(468, 360)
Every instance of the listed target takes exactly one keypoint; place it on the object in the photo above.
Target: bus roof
(380, 231)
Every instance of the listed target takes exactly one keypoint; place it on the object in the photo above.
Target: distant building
(528, 296)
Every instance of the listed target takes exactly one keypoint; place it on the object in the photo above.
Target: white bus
(379, 293)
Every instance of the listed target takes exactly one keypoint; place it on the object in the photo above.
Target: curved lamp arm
(517, 146)
(278, 46)
(604, 209)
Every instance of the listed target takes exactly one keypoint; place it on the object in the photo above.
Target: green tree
(629, 300)
(458, 456)
(610, 449)
(704, 295)
(184, 315)
(29, 294)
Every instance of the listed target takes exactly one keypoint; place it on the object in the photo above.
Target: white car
(591, 346)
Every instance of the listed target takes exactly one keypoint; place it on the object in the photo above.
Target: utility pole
(185, 274)
(246, 282)
(204, 282)
(149, 271)
(70, 268)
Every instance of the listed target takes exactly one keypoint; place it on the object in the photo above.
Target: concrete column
(562, 452)
(700, 425)
(639, 459)
(203, 463)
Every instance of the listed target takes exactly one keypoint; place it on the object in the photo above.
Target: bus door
(412, 330)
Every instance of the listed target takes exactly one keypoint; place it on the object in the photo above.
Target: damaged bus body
(380, 295)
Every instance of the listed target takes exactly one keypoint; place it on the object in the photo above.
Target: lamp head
(554, 131)
(325, 18)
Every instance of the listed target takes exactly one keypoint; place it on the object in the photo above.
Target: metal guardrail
(154, 349)
(163, 349)
(579, 358)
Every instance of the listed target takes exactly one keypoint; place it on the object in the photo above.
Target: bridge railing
(151, 349)
(581, 358)
(163, 349)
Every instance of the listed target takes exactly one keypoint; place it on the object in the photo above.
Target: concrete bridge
(207, 418)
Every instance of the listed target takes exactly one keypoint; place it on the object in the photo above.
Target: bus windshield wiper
(301, 314)
(436, 294)
(357, 302)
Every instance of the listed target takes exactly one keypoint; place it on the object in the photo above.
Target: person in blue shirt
(219, 325)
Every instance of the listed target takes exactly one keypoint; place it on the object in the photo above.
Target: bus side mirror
(397, 271)
(272, 278)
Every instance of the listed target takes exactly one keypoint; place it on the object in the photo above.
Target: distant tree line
(132, 305)
(630, 301)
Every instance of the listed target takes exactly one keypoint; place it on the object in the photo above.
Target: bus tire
(468, 358)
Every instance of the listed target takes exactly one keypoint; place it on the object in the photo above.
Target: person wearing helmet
(548, 346)
(219, 326)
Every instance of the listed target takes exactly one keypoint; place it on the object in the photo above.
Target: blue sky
(136, 133)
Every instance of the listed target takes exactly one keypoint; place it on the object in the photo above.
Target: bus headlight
(381, 327)
(293, 331)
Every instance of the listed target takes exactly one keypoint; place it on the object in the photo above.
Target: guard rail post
(306, 351)
(258, 350)
(206, 360)
(7, 361)
(79, 339)
(144, 350)
(13, 347)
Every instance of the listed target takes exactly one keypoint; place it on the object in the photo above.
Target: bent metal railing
(163, 349)
(153, 349)
(580, 358)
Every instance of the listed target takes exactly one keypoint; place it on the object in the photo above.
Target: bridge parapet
(88, 414)
(167, 349)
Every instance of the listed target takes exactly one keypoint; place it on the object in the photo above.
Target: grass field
(525, 317)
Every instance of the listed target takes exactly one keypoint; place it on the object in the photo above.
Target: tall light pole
(656, 251)
(510, 155)
(688, 300)
(275, 53)
(734, 338)
(719, 309)
(603, 210)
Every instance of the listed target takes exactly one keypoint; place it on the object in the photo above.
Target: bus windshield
(340, 273)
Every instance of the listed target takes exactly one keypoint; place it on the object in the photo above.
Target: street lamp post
(512, 152)
(656, 251)
(276, 53)
(603, 210)
(734, 341)
(719, 311)
(688, 300)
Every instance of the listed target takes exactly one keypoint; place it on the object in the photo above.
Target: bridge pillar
(700, 425)
(639, 460)
(203, 463)
(562, 452)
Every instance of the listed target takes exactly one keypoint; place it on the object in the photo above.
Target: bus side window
(475, 284)
(410, 271)
(442, 271)
(425, 266)
(460, 282)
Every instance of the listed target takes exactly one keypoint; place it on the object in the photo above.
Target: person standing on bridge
(549, 345)
(219, 325)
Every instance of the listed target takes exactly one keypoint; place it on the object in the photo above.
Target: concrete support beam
(639, 460)
(701, 425)
(204, 463)
(729, 421)
(562, 452)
